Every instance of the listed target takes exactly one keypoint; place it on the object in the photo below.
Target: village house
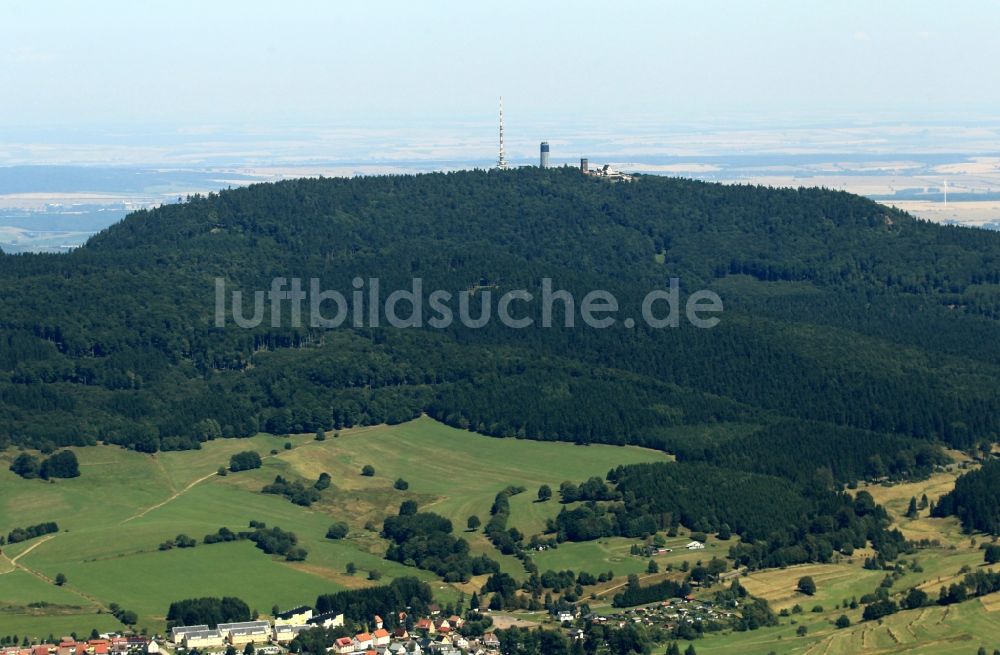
(283, 634)
(362, 641)
(381, 637)
(246, 632)
(326, 620)
(202, 639)
(295, 616)
(68, 646)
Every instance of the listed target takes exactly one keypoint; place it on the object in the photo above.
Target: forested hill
(845, 322)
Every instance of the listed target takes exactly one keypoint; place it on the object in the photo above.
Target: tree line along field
(113, 517)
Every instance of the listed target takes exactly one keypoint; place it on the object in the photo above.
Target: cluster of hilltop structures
(605, 171)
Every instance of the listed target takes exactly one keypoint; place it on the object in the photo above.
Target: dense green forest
(975, 500)
(360, 605)
(208, 611)
(425, 540)
(781, 522)
(855, 341)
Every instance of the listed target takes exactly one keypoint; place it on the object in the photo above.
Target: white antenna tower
(501, 162)
(946, 194)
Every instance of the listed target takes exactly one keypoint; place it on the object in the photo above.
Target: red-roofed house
(343, 646)
(381, 637)
(362, 641)
(99, 646)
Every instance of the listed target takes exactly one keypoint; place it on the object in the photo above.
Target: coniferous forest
(863, 337)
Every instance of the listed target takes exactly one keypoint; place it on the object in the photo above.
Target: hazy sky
(128, 64)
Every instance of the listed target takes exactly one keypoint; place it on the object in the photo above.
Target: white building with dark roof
(295, 616)
(241, 634)
(201, 639)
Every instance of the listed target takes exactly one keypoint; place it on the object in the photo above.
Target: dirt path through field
(172, 497)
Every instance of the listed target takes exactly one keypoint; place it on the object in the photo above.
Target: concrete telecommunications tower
(501, 161)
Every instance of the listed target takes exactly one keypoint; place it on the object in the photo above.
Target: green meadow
(124, 504)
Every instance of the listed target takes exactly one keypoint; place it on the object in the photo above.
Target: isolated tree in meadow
(61, 465)
(843, 622)
(337, 531)
(911, 510)
(923, 502)
(806, 585)
(992, 554)
(60, 579)
(351, 568)
(320, 435)
(544, 493)
(25, 465)
(368, 470)
(473, 523)
(244, 461)
(401, 484)
(915, 598)
(652, 567)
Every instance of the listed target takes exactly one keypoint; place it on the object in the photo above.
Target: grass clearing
(834, 584)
